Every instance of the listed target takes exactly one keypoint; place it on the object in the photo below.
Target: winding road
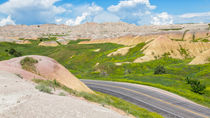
(165, 103)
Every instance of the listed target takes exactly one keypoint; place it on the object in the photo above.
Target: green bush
(197, 87)
(43, 88)
(13, 52)
(160, 70)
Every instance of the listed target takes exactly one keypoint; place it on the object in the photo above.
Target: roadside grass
(81, 60)
(103, 99)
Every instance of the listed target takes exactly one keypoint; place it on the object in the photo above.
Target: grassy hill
(85, 63)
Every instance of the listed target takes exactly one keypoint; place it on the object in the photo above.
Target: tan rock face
(202, 58)
(121, 51)
(23, 42)
(47, 69)
(175, 49)
(49, 43)
(95, 30)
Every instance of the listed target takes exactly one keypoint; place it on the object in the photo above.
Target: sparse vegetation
(44, 88)
(103, 99)
(183, 52)
(28, 63)
(62, 94)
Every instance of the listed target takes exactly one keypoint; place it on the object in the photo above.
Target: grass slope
(81, 60)
(103, 99)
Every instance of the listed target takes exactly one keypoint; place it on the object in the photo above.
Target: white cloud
(191, 15)
(130, 3)
(87, 13)
(162, 19)
(78, 20)
(7, 21)
(31, 11)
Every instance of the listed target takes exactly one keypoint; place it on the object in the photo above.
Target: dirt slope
(46, 68)
(203, 58)
(20, 99)
(175, 49)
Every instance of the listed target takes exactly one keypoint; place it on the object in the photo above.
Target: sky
(75, 12)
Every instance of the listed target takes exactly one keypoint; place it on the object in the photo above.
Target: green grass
(102, 99)
(171, 29)
(81, 60)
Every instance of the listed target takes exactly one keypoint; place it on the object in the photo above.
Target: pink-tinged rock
(47, 69)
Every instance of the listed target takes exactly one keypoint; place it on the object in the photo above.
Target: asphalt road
(165, 103)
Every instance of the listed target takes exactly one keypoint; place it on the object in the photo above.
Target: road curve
(165, 103)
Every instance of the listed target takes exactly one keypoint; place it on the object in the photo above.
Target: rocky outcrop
(47, 69)
(176, 49)
(96, 31)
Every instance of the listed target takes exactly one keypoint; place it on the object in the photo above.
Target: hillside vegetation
(85, 63)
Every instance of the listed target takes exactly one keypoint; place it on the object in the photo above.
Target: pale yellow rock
(48, 43)
(203, 58)
(162, 45)
(121, 51)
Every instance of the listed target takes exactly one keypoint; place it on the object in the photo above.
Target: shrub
(197, 87)
(188, 80)
(28, 63)
(43, 88)
(160, 70)
(105, 68)
(14, 52)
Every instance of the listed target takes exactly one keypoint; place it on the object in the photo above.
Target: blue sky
(75, 12)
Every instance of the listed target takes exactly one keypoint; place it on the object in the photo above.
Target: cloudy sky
(74, 12)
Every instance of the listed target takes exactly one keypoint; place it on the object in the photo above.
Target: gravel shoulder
(20, 99)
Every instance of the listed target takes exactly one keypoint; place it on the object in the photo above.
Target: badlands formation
(46, 69)
(177, 41)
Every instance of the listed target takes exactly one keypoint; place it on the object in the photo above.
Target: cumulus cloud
(7, 21)
(139, 12)
(133, 11)
(87, 14)
(31, 11)
(130, 3)
(162, 19)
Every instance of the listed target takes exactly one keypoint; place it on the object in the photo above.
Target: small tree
(12, 51)
(160, 70)
(197, 87)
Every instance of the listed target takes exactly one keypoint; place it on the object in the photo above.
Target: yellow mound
(49, 43)
(121, 51)
(203, 58)
(125, 40)
(175, 49)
